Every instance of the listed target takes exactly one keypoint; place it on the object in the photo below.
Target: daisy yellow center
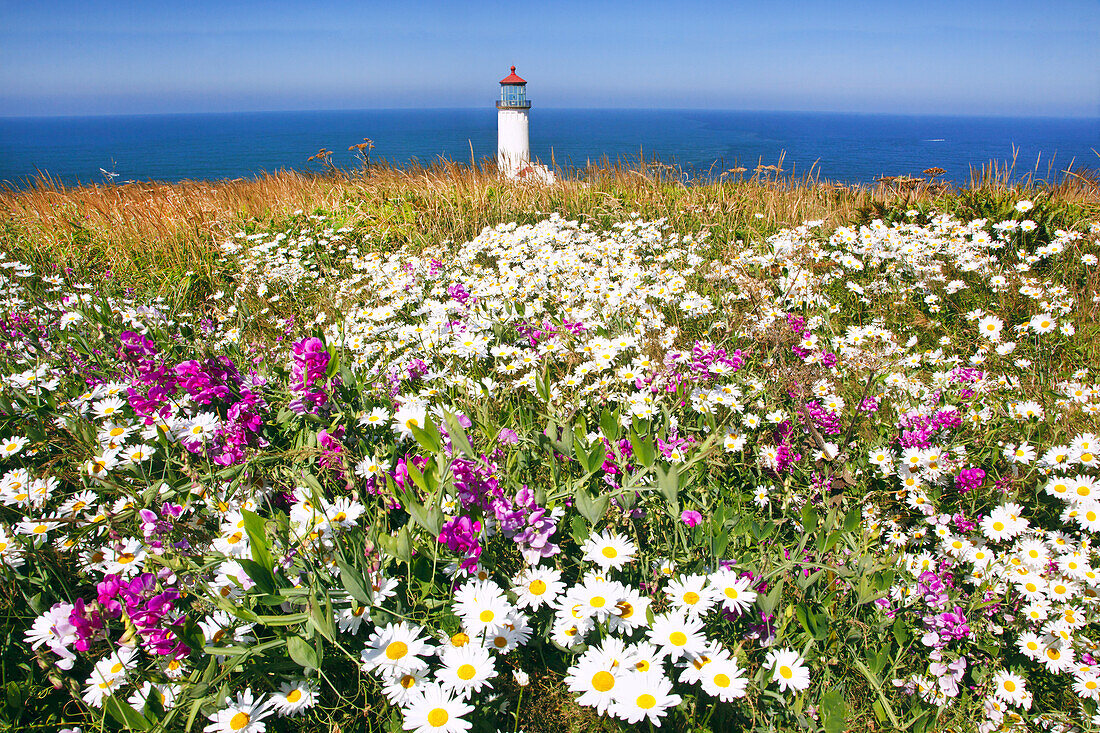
(466, 672)
(118, 667)
(625, 609)
(235, 538)
(1091, 685)
(239, 721)
(537, 587)
(1083, 491)
(397, 649)
(438, 717)
(340, 517)
(413, 423)
(998, 526)
(408, 681)
(691, 598)
(126, 558)
(610, 553)
(732, 593)
(646, 701)
(678, 638)
(603, 681)
(786, 672)
(642, 666)
(294, 695)
(1031, 587)
(1086, 458)
(598, 601)
(486, 616)
(500, 642)
(41, 529)
(460, 639)
(1010, 686)
(721, 680)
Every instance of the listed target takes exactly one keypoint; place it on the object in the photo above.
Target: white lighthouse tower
(513, 142)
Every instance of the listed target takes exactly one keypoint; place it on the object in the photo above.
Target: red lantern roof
(512, 78)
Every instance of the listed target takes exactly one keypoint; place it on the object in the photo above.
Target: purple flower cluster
(209, 380)
(154, 527)
(943, 628)
(966, 375)
(535, 333)
(518, 518)
(212, 381)
(869, 405)
(152, 613)
(933, 588)
(310, 365)
(458, 292)
(708, 360)
(156, 380)
(610, 465)
(825, 420)
(786, 456)
(674, 443)
(969, 479)
(918, 431)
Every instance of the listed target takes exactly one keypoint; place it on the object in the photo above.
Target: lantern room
(513, 92)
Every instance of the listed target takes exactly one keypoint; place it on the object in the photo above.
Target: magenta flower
(691, 518)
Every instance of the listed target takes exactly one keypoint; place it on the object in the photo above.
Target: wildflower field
(619, 454)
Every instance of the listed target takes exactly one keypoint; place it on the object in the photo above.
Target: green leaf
(580, 530)
(260, 575)
(257, 539)
(333, 362)
(353, 582)
(596, 457)
(416, 476)
(582, 456)
(428, 441)
(404, 545)
(668, 482)
(590, 508)
(320, 618)
(609, 425)
(643, 449)
(770, 601)
(125, 714)
(834, 711)
(303, 653)
(458, 435)
(809, 518)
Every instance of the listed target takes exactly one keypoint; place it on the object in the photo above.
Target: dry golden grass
(147, 232)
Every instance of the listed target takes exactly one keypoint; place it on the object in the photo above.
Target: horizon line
(79, 115)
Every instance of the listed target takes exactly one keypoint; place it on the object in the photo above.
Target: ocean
(838, 147)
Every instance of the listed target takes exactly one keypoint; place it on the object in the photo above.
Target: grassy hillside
(788, 455)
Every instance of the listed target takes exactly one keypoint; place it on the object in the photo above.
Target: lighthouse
(513, 108)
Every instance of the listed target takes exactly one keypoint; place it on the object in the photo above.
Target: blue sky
(959, 57)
